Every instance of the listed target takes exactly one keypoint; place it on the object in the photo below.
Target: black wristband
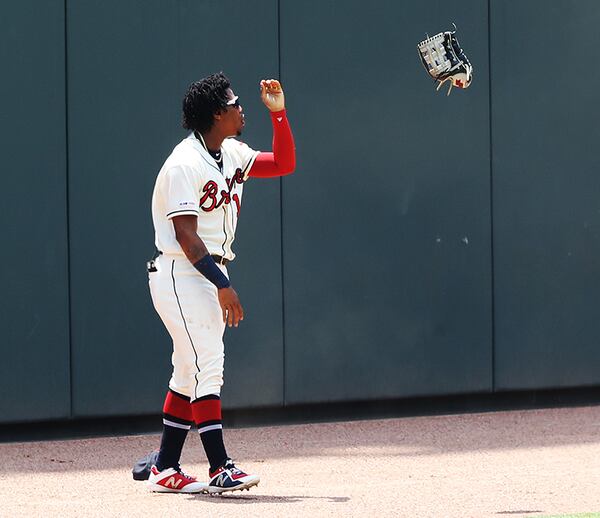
(207, 267)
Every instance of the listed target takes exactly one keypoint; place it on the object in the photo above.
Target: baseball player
(195, 208)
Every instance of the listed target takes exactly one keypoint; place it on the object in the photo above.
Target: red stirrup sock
(177, 421)
(207, 416)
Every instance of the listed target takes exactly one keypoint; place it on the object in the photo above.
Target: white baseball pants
(189, 308)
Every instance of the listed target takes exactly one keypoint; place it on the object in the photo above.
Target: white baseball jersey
(190, 182)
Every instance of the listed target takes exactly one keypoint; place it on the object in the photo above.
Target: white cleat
(171, 480)
(229, 478)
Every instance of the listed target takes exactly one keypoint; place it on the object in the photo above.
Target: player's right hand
(231, 306)
(272, 95)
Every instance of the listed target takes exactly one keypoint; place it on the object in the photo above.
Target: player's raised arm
(282, 160)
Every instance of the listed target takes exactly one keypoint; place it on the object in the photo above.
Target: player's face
(233, 118)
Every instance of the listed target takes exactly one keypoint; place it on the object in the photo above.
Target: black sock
(214, 448)
(171, 445)
(177, 421)
(207, 416)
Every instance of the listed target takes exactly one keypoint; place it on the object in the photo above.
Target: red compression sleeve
(282, 160)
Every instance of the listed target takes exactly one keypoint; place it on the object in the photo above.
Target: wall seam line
(283, 330)
(491, 142)
(68, 218)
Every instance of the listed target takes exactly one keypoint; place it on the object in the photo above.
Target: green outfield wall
(426, 245)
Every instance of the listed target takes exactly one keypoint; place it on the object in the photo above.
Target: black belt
(220, 260)
(152, 268)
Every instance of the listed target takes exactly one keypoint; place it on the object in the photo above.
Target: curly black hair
(202, 100)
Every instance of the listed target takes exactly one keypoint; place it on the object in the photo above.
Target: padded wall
(34, 310)
(414, 251)
(129, 65)
(546, 193)
(387, 267)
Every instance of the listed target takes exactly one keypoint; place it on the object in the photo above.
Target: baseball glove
(444, 60)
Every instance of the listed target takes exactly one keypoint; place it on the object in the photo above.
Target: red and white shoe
(173, 480)
(230, 478)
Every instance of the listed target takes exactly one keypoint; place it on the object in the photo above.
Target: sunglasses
(235, 102)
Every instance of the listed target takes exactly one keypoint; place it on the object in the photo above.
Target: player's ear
(218, 115)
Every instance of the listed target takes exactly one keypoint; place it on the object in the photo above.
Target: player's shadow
(263, 499)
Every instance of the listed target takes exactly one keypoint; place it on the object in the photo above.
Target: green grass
(583, 515)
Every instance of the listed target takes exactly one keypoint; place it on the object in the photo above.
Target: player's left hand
(271, 94)
(231, 306)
